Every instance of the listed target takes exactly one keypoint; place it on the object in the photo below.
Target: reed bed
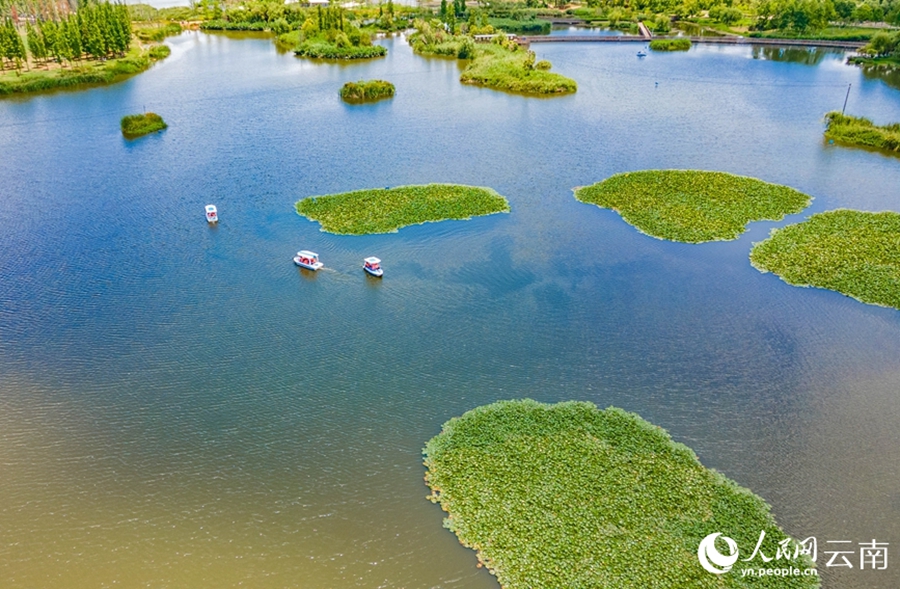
(859, 131)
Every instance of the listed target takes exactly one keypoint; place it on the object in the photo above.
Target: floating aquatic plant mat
(384, 210)
(692, 206)
(567, 496)
(853, 252)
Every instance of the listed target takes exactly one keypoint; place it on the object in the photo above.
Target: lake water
(180, 406)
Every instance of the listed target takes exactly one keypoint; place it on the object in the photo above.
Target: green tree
(36, 42)
(12, 45)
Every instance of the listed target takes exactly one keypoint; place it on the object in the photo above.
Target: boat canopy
(307, 254)
(372, 261)
(210, 208)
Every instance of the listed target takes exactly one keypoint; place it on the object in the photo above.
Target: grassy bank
(690, 205)
(824, 34)
(366, 91)
(385, 210)
(859, 131)
(88, 73)
(134, 126)
(670, 44)
(853, 252)
(568, 495)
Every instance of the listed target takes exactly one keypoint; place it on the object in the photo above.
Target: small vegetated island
(328, 34)
(500, 64)
(853, 252)
(670, 44)
(568, 495)
(385, 210)
(692, 206)
(134, 126)
(366, 91)
(90, 46)
(859, 131)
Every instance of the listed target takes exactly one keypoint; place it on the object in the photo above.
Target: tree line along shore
(48, 43)
(43, 47)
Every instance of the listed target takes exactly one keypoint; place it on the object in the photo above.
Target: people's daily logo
(713, 560)
(787, 557)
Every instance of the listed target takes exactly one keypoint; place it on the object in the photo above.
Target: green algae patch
(568, 495)
(692, 206)
(855, 253)
(134, 126)
(385, 210)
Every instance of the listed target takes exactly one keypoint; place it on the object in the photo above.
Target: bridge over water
(528, 39)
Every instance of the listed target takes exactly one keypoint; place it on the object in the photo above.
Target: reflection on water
(804, 55)
(184, 407)
(694, 30)
(890, 76)
(582, 31)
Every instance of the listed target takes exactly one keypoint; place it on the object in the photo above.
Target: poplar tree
(36, 43)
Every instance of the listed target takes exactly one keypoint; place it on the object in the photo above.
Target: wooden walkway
(525, 40)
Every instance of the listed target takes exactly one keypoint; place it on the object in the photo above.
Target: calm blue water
(180, 406)
(569, 31)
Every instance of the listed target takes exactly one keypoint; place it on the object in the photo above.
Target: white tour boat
(373, 267)
(308, 260)
(212, 216)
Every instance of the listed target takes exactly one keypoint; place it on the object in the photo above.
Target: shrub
(159, 52)
(280, 26)
(466, 49)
